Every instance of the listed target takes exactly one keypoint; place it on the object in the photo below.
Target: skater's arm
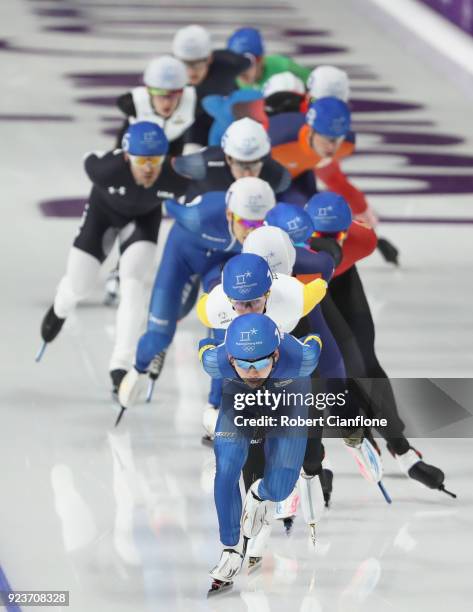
(315, 264)
(191, 166)
(360, 243)
(335, 180)
(298, 358)
(314, 293)
(214, 359)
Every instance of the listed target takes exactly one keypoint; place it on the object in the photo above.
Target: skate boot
(257, 545)
(130, 390)
(229, 565)
(154, 370)
(209, 422)
(388, 251)
(50, 328)
(254, 512)
(428, 475)
(117, 376)
(112, 288)
(326, 481)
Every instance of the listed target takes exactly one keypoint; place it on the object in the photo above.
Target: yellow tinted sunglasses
(142, 160)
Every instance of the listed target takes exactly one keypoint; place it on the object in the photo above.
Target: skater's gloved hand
(206, 344)
(327, 245)
(352, 437)
(368, 216)
(131, 387)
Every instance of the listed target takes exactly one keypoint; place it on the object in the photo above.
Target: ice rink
(124, 518)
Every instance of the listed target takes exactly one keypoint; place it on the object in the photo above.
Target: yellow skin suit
(288, 301)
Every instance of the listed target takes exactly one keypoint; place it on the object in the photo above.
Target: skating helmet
(328, 81)
(192, 43)
(252, 336)
(292, 219)
(274, 245)
(250, 198)
(246, 41)
(329, 117)
(246, 140)
(283, 82)
(246, 277)
(329, 212)
(166, 73)
(145, 138)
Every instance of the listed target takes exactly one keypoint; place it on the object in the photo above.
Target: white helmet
(246, 140)
(191, 43)
(165, 72)
(273, 244)
(250, 198)
(328, 81)
(283, 81)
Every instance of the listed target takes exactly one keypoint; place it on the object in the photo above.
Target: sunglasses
(142, 160)
(338, 236)
(258, 364)
(252, 166)
(165, 93)
(257, 303)
(247, 223)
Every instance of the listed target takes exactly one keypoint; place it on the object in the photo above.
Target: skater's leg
(78, 283)
(90, 248)
(230, 454)
(285, 446)
(374, 391)
(137, 260)
(331, 363)
(284, 458)
(174, 271)
(136, 264)
(254, 465)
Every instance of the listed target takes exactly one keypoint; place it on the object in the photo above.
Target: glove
(131, 387)
(327, 245)
(205, 344)
(353, 437)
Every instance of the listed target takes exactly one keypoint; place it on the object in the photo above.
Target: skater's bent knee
(279, 484)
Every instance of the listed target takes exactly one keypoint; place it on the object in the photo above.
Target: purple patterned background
(459, 12)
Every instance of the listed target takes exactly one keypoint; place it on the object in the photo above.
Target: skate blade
(444, 490)
(312, 533)
(149, 392)
(219, 588)
(119, 417)
(386, 495)
(254, 563)
(40, 353)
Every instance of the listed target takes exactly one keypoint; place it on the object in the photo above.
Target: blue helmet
(246, 40)
(145, 138)
(252, 336)
(329, 117)
(329, 212)
(246, 277)
(293, 219)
